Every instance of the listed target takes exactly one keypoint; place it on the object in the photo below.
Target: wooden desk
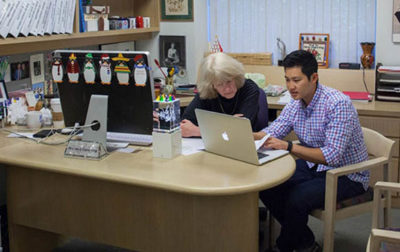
(201, 202)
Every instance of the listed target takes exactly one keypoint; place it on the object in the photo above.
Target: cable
(73, 133)
(365, 84)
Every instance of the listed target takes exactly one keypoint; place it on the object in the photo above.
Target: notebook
(232, 137)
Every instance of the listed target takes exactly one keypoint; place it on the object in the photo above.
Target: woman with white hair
(222, 88)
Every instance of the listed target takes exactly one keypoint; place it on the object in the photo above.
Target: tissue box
(166, 115)
(167, 144)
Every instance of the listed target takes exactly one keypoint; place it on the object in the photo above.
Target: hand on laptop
(275, 143)
(238, 115)
(189, 129)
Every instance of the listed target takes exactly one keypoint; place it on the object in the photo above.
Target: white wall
(196, 39)
(386, 51)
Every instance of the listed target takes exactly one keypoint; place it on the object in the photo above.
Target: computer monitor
(122, 75)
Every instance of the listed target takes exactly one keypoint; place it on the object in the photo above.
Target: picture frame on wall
(396, 21)
(318, 45)
(37, 68)
(173, 51)
(172, 10)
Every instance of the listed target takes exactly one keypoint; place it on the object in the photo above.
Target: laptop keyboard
(261, 155)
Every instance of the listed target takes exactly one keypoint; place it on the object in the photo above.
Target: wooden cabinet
(123, 8)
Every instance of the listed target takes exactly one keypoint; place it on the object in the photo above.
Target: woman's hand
(189, 129)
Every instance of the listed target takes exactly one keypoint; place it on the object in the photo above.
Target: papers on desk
(192, 146)
(22, 134)
(285, 98)
(260, 143)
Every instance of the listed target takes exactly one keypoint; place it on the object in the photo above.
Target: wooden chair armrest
(382, 185)
(365, 165)
(386, 235)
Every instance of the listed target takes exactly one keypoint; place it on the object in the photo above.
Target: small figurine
(105, 70)
(89, 71)
(57, 69)
(140, 71)
(73, 69)
(122, 69)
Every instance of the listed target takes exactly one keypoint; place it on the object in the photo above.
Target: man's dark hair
(303, 59)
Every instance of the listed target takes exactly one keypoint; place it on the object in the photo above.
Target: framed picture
(3, 91)
(19, 70)
(318, 45)
(37, 68)
(396, 21)
(177, 10)
(173, 51)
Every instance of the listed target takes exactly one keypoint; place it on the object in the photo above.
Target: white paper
(22, 134)
(44, 17)
(285, 98)
(30, 8)
(36, 18)
(17, 18)
(7, 18)
(30, 99)
(192, 145)
(126, 150)
(50, 23)
(260, 143)
(56, 19)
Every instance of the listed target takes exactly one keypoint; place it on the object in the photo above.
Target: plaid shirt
(329, 122)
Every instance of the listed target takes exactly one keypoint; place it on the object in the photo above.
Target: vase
(367, 59)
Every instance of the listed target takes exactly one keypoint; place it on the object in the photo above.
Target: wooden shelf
(125, 8)
(11, 46)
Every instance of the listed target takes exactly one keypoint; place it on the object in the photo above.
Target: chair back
(262, 115)
(377, 144)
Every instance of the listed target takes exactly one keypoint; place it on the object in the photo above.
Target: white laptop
(232, 137)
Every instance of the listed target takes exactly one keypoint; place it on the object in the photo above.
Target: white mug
(34, 119)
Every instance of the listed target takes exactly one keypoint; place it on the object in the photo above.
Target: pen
(158, 64)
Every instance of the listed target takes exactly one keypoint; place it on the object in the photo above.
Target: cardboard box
(90, 9)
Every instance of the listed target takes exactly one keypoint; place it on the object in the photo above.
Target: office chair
(383, 238)
(380, 148)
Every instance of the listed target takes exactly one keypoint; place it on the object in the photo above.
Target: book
(360, 96)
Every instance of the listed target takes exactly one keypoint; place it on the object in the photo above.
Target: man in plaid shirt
(327, 125)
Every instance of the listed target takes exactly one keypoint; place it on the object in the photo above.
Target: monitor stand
(96, 115)
(93, 143)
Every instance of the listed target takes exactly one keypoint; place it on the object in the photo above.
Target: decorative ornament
(89, 71)
(73, 69)
(122, 69)
(57, 69)
(105, 70)
(140, 71)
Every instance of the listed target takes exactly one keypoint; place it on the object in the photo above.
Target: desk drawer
(389, 127)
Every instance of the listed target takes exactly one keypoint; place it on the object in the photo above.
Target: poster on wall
(396, 21)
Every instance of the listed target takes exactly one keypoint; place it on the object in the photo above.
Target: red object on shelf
(358, 95)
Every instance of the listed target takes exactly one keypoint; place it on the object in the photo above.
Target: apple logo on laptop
(225, 136)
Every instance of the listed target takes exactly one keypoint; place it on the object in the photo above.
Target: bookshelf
(125, 8)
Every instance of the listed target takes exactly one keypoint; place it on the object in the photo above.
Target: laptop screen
(122, 75)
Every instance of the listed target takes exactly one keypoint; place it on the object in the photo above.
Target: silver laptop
(232, 137)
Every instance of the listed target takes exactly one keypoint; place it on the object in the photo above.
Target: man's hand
(189, 129)
(258, 135)
(276, 144)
